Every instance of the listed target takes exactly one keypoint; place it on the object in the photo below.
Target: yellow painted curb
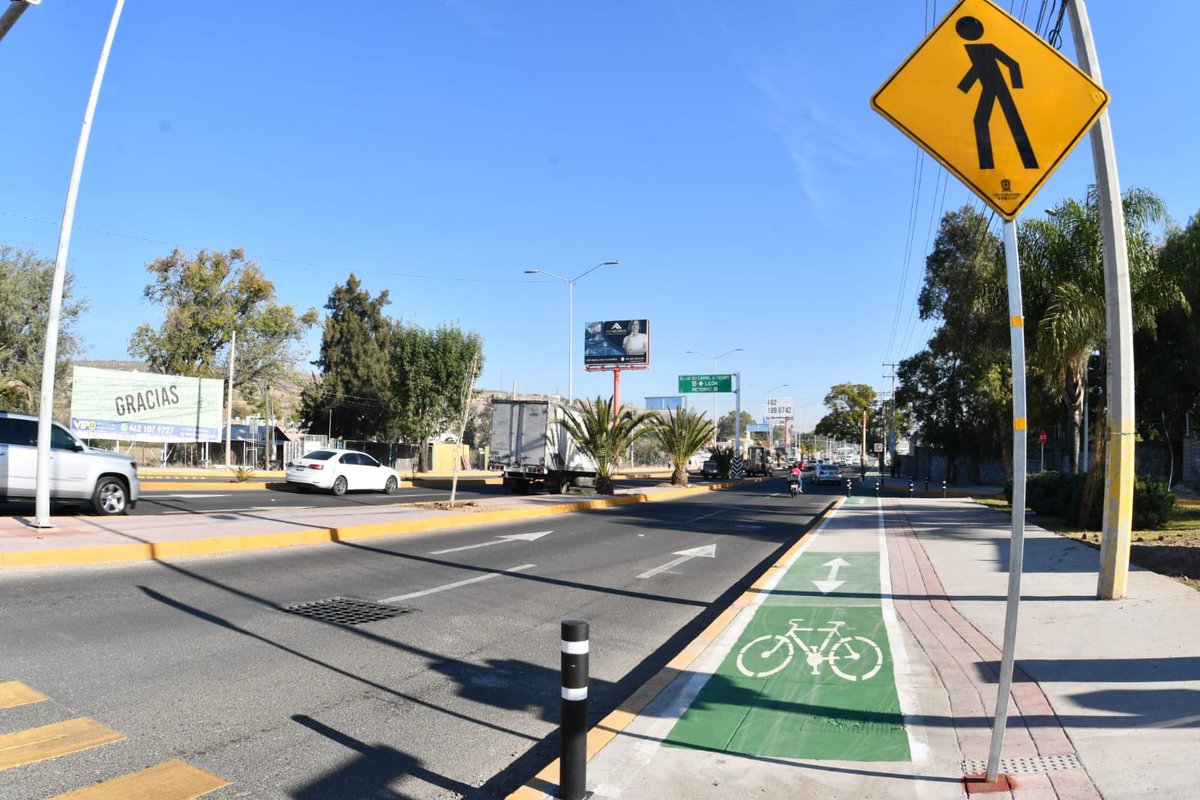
(229, 485)
(607, 729)
(153, 551)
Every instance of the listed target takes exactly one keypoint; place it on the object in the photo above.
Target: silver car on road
(106, 480)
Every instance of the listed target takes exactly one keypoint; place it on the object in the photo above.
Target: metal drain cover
(347, 610)
(1026, 766)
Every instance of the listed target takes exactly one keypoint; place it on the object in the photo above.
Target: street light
(714, 360)
(570, 282)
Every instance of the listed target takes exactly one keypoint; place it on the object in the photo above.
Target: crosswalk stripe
(170, 780)
(15, 693)
(51, 741)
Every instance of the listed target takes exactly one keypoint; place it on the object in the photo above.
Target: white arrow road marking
(512, 537)
(455, 585)
(707, 551)
(829, 584)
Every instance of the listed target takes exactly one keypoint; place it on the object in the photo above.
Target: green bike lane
(812, 675)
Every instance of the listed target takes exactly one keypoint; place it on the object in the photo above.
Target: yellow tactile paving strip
(170, 780)
(15, 693)
(50, 741)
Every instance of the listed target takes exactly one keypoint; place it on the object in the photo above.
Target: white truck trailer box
(529, 446)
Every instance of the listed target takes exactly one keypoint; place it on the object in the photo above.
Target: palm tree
(681, 432)
(1063, 271)
(604, 434)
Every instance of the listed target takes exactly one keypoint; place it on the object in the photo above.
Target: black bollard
(910, 488)
(573, 727)
(943, 488)
(877, 489)
(849, 483)
(926, 483)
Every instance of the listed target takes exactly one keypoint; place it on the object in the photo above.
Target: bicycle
(861, 659)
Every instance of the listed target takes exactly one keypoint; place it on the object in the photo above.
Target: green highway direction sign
(705, 383)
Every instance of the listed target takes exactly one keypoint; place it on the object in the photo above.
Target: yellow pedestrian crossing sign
(993, 102)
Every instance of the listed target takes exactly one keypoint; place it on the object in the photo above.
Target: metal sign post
(1016, 552)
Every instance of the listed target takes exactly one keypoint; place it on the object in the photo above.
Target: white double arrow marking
(829, 584)
(707, 551)
(512, 537)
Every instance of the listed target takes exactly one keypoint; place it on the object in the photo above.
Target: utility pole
(892, 437)
(1118, 480)
(229, 403)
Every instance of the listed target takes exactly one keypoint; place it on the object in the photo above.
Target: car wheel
(110, 498)
(392, 486)
(339, 485)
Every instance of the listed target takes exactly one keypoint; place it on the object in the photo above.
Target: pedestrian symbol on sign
(985, 70)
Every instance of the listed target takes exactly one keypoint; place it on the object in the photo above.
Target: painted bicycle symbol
(852, 658)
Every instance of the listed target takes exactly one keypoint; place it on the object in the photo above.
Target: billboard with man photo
(617, 343)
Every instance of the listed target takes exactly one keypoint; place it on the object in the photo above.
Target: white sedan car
(826, 473)
(341, 471)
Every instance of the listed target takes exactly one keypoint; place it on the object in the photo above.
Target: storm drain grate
(1025, 766)
(347, 610)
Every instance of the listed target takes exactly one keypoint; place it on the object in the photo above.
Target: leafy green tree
(25, 281)
(1168, 371)
(353, 394)
(206, 298)
(681, 433)
(847, 402)
(1062, 258)
(604, 434)
(969, 355)
(725, 425)
(429, 369)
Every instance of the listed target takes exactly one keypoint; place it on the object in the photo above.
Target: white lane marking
(707, 551)
(829, 584)
(187, 495)
(455, 585)
(706, 516)
(902, 673)
(513, 537)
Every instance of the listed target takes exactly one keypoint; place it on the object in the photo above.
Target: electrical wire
(275, 260)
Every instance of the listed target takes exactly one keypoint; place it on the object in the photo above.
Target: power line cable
(275, 260)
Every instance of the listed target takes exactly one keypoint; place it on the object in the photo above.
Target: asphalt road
(194, 659)
(214, 498)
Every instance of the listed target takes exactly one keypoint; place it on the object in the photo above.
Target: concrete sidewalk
(1105, 701)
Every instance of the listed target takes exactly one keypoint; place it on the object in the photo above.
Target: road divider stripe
(170, 780)
(546, 781)
(54, 740)
(154, 551)
(15, 693)
(456, 584)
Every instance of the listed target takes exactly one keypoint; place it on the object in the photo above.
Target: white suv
(106, 480)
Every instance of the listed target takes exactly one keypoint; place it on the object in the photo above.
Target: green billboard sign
(705, 383)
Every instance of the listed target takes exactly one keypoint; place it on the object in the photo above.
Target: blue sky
(725, 153)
